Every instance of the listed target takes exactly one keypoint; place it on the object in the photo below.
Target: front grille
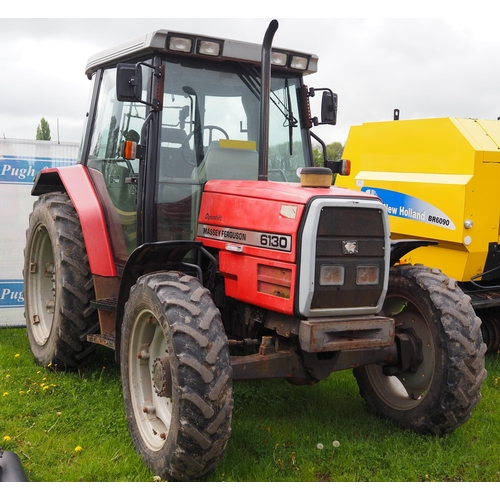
(348, 233)
(363, 228)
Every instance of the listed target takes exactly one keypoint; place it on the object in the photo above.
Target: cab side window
(115, 177)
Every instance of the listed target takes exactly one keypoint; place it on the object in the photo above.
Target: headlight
(331, 275)
(299, 62)
(278, 58)
(367, 275)
(180, 44)
(209, 48)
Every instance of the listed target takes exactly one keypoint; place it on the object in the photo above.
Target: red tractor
(195, 238)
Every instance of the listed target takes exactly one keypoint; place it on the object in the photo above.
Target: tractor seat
(228, 159)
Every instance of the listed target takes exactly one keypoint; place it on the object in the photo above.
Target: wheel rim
(153, 413)
(41, 285)
(406, 390)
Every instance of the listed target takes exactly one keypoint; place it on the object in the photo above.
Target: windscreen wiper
(251, 78)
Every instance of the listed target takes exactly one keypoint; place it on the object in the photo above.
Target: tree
(333, 151)
(43, 131)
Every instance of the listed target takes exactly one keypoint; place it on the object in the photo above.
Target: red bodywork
(79, 187)
(253, 272)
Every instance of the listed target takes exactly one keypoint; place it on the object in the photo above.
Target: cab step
(107, 308)
(105, 340)
(105, 304)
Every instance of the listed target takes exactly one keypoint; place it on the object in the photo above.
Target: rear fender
(75, 181)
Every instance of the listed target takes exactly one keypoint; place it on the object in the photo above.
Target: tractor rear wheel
(438, 392)
(176, 376)
(58, 285)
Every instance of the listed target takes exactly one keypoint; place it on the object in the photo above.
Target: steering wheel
(187, 154)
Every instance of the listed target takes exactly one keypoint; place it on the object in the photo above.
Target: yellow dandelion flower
(5, 393)
(6, 438)
(78, 449)
(17, 355)
(21, 392)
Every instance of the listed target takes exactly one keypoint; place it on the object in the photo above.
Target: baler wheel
(439, 391)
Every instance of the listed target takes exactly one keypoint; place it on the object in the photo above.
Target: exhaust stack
(265, 94)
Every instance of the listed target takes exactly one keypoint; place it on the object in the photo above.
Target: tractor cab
(181, 111)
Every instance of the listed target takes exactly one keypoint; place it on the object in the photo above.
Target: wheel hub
(162, 379)
(409, 353)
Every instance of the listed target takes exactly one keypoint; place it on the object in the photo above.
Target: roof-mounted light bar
(162, 41)
(185, 44)
(293, 61)
(207, 47)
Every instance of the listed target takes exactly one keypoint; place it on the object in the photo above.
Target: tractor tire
(58, 285)
(176, 376)
(437, 396)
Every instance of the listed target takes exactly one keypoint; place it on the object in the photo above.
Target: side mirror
(329, 108)
(128, 83)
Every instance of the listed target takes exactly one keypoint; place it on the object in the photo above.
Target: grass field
(71, 427)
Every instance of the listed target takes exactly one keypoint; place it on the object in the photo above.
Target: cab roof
(159, 41)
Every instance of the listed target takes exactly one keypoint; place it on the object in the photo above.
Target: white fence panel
(20, 161)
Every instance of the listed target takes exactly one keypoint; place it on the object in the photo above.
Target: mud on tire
(58, 285)
(441, 394)
(176, 376)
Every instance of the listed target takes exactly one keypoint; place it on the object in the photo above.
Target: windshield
(210, 130)
(204, 103)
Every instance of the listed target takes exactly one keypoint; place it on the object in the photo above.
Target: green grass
(71, 427)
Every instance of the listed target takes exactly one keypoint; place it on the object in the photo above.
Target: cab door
(116, 179)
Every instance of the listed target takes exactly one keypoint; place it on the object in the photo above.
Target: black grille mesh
(338, 225)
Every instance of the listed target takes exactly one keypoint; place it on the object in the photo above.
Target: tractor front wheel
(176, 376)
(437, 392)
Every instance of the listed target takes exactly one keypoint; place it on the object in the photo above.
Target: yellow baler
(439, 179)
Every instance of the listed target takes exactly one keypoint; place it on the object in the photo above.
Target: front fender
(399, 248)
(149, 258)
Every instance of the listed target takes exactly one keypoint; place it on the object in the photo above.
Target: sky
(377, 56)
